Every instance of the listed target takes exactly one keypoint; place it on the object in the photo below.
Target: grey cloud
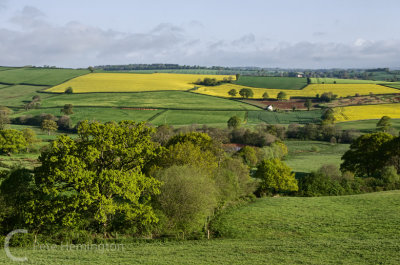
(167, 27)
(77, 45)
(29, 17)
(3, 4)
(319, 34)
(316, 55)
(216, 45)
(161, 39)
(244, 40)
(194, 24)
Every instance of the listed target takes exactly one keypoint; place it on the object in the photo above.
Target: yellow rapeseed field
(125, 82)
(365, 112)
(342, 90)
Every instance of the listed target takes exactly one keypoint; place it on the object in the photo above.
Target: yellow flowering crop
(342, 90)
(365, 112)
(126, 82)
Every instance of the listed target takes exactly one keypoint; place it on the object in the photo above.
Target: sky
(283, 33)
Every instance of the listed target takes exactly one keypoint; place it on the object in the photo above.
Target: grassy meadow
(125, 82)
(301, 117)
(18, 95)
(307, 156)
(156, 99)
(358, 229)
(38, 76)
(366, 126)
(272, 82)
(397, 86)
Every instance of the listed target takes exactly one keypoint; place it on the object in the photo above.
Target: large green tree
(30, 137)
(232, 92)
(49, 126)
(246, 93)
(281, 96)
(188, 196)
(4, 117)
(249, 155)
(308, 104)
(328, 117)
(97, 177)
(384, 124)
(11, 141)
(68, 109)
(364, 156)
(390, 153)
(234, 122)
(275, 177)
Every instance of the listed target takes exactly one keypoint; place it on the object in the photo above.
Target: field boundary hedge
(142, 107)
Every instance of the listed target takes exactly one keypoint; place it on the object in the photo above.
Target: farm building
(270, 108)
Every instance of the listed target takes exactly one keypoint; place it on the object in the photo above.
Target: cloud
(244, 40)
(3, 4)
(29, 17)
(319, 34)
(38, 42)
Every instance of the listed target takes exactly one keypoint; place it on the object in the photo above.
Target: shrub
(275, 177)
(234, 122)
(188, 196)
(69, 90)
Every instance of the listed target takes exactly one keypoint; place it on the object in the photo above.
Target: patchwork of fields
(166, 100)
(342, 90)
(122, 82)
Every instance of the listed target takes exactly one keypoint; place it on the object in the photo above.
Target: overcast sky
(281, 33)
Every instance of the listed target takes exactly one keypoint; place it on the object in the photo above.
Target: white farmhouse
(270, 108)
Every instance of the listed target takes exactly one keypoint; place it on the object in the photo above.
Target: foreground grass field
(123, 82)
(364, 112)
(360, 229)
(272, 82)
(342, 90)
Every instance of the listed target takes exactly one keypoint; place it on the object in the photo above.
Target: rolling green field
(272, 82)
(39, 76)
(358, 229)
(366, 126)
(18, 95)
(211, 118)
(397, 86)
(155, 117)
(301, 117)
(162, 99)
(97, 113)
(307, 156)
